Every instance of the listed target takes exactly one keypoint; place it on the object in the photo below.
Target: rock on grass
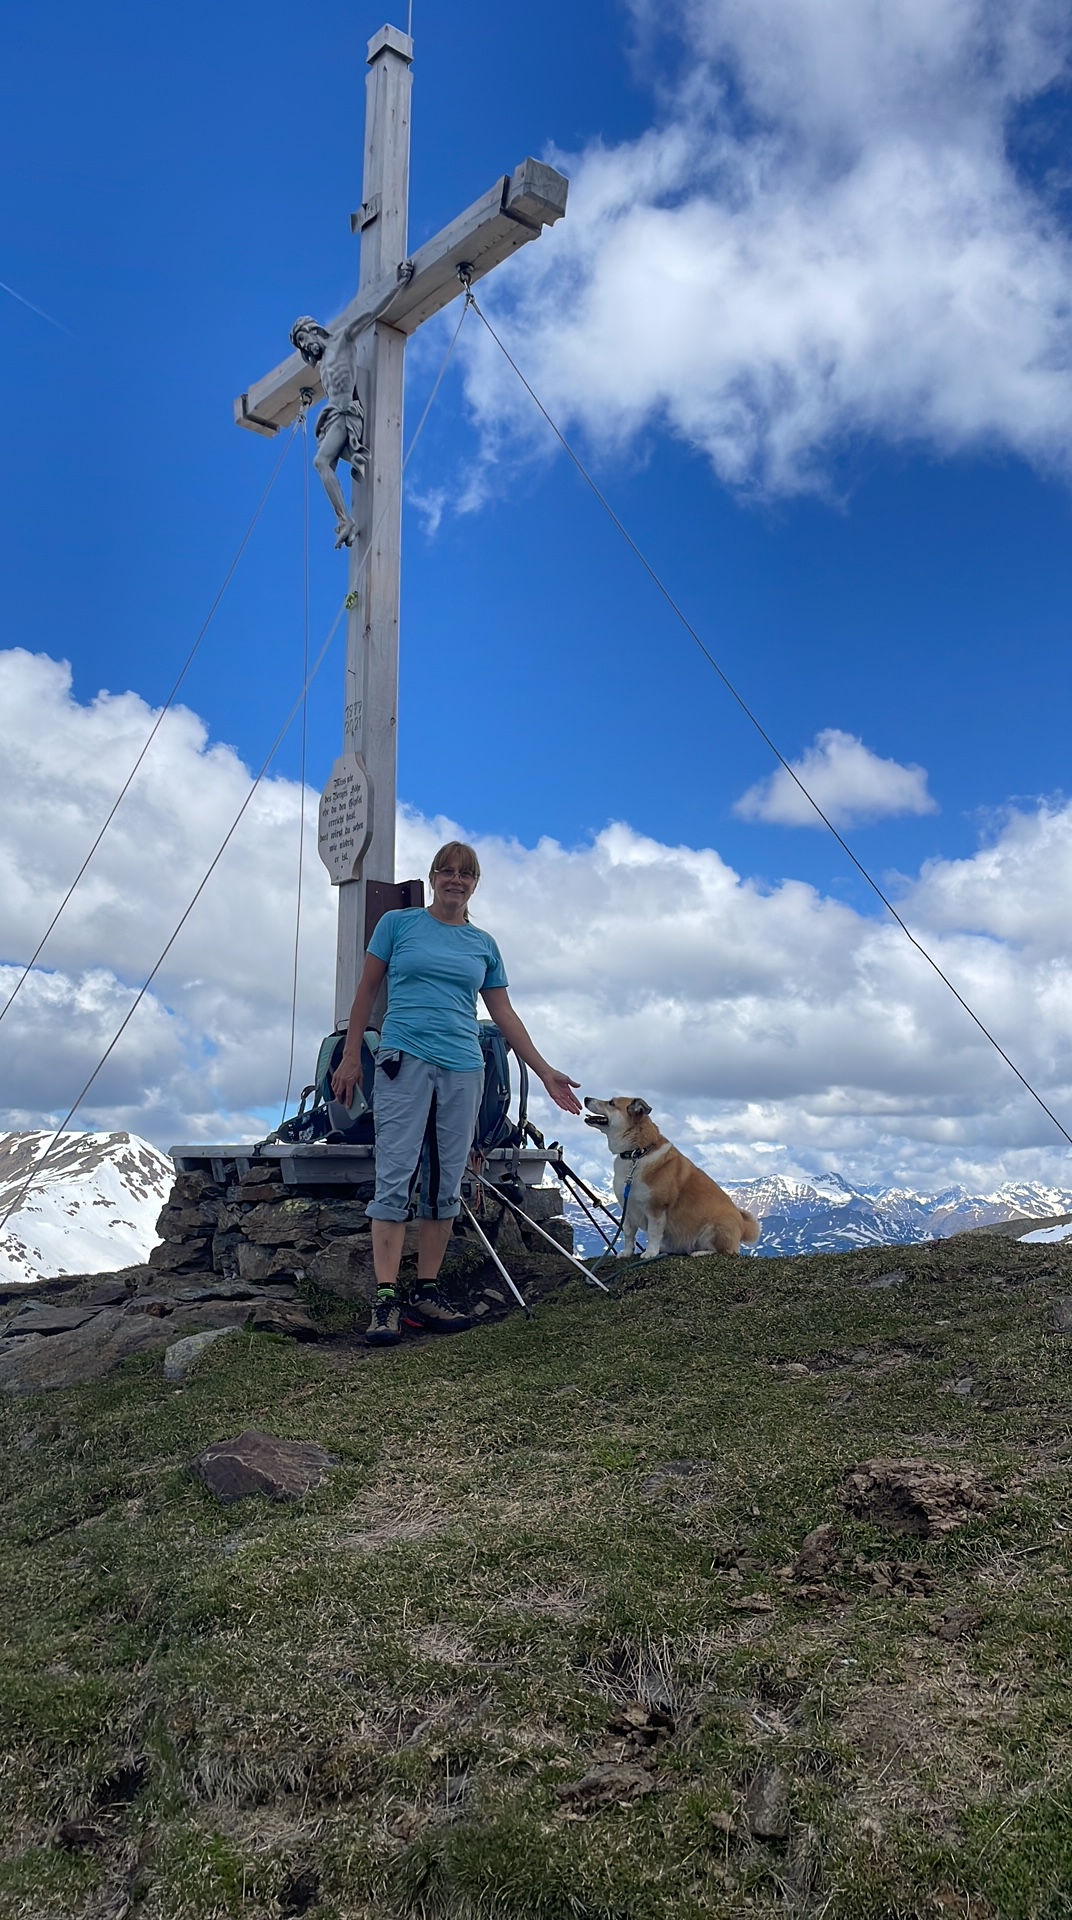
(182, 1355)
(606, 1786)
(259, 1463)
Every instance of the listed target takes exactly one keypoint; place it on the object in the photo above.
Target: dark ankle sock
(423, 1285)
(386, 1293)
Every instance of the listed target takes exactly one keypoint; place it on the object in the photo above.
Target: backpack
(318, 1121)
(494, 1127)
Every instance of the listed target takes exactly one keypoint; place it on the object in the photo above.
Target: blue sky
(868, 522)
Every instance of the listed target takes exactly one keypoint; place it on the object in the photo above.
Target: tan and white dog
(680, 1206)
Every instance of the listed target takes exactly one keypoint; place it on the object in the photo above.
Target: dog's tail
(750, 1229)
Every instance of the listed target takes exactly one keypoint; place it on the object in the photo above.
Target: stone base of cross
(355, 363)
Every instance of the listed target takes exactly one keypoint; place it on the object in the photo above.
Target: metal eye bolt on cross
(355, 365)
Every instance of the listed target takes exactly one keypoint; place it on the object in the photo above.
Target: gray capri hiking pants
(430, 1108)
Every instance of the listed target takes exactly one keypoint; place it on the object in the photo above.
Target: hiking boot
(385, 1327)
(433, 1311)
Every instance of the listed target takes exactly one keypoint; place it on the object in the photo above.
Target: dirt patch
(884, 1725)
(818, 1553)
(408, 1725)
(928, 1738)
(443, 1644)
(956, 1623)
(869, 1362)
(675, 1477)
(389, 1532)
(624, 1761)
(612, 1783)
(919, 1497)
(566, 1604)
(895, 1576)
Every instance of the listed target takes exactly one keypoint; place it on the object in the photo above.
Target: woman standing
(435, 963)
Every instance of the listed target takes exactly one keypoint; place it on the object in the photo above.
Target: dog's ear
(638, 1108)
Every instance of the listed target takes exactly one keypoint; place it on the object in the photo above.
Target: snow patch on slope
(1045, 1235)
(92, 1207)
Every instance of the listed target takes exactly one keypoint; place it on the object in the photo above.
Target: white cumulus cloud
(208, 1046)
(822, 237)
(851, 784)
(773, 1029)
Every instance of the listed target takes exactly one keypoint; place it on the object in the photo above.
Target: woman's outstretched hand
(560, 1087)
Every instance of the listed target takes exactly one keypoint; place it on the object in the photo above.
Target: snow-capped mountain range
(92, 1208)
(830, 1216)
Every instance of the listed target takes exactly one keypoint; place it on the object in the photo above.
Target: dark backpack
(316, 1121)
(494, 1127)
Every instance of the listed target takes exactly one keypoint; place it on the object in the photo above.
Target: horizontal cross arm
(514, 211)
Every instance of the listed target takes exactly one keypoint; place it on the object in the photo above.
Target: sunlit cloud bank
(822, 237)
(774, 1029)
(208, 1046)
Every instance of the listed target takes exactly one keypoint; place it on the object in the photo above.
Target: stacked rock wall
(247, 1253)
(256, 1229)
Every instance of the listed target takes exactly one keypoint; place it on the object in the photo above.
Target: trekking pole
(481, 1235)
(563, 1173)
(549, 1237)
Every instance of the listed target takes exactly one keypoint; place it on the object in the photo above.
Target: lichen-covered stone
(543, 1203)
(254, 1263)
(283, 1317)
(263, 1173)
(228, 1219)
(48, 1320)
(255, 1462)
(264, 1194)
(283, 1223)
(343, 1217)
(225, 1253)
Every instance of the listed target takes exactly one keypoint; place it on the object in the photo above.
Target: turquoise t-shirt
(434, 973)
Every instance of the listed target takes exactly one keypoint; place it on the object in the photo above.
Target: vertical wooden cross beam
(395, 295)
(370, 723)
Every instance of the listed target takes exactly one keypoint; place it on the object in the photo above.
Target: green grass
(363, 1704)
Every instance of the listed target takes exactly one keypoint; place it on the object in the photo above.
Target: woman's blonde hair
(454, 854)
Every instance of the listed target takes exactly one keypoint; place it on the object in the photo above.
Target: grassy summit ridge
(382, 1701)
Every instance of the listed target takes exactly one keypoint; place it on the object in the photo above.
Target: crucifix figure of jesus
(356, 364)
(340, 427)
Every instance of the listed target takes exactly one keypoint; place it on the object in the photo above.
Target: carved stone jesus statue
(340, 427)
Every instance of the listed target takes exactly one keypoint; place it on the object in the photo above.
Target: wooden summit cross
(363, 351)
